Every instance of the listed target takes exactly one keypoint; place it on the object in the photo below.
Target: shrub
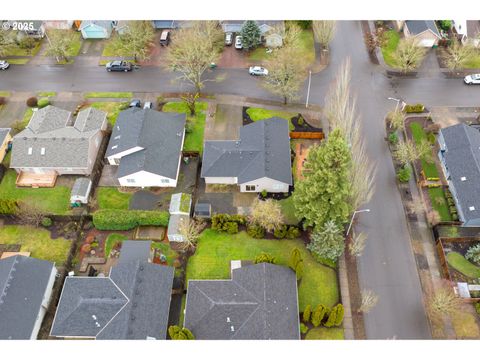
(264, 258)
(445, 25)
(403, 175)
(281, 232)
(177, 333)
(263, 194)
(433, 178)
(303, 328)
(477, 308)
(433, 128)
(228, 223)
(455, 217)
(32, 102)
(293, 232)
(43, 102)
(85, 248)
(430, 186)
(304, 24)
(160, 101)
(307, 313)
(8, 206)
(232, 227)
(113, 219)
(431, 138)
(393, 138)
(416, 108)
(301, 120)
(335, 318)
(319, 314)
(255, 231)
(46, 222)
(473, 254)
(3, 100)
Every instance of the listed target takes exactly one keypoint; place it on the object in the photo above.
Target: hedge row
(112, 219)
(416, 108)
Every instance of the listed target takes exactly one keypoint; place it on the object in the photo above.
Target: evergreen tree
(299, 270)
(328, 241)
(335, 317)
(264, 258)
(319, 314)
(325, 191)
(295, 258)
(307, 313)
(251, 35)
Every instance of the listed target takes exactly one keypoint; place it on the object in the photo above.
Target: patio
(33, 180)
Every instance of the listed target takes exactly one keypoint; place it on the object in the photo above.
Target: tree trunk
(284, 100)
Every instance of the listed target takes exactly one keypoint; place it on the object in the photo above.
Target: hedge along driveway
(215, 251)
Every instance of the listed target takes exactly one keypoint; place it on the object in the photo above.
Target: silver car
(258, 70)
(4, 65)
(238, 42)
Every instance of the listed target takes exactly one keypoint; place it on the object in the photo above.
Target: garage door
(427, 42)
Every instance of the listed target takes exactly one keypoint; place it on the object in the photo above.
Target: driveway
(232, 58)
(225, 124)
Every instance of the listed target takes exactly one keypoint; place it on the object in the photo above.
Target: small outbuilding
(180, 205)
(174, 225)
(81, 191)
(203, 210)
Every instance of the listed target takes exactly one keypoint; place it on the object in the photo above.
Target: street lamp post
(308, 90)
(354, 213)
(398, 102)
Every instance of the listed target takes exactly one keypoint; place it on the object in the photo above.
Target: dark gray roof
(158, 135)
(132, 303)
(66, 142)
(265, 25)
(23, 283)
(259, 302)
(174, 223)
(135, 250)
(171, 24)
(263, 150)
(81, 187)
(462, 159)
(416, 27)
(3, 134)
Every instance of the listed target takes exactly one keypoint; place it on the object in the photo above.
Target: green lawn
(474, 63)
(459, 263)
(388, 50)
(37, 241)
(193, 139)
(442, 208)
(111, 240)
(288, 211)
(18, 61)
(5, 93)
(166, 250)
(54, 200)
(46, 93)
(109, 49)
(17, 51)
(106, 94)
(182, 308)
(112, 109)
(111, 198)
(215, 250)
(76, 44)
(257, 114)
(419, 135)
(323, 333)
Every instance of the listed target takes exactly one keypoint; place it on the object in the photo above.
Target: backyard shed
(81, 191)
(180, 204)
(174, 224)
(203, 210)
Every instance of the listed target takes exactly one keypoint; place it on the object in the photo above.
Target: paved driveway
(233, 59)
(225, 124)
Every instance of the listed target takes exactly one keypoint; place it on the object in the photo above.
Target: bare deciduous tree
(458, 55)
(443, 302)
(407, 152)
(6, 41)
(369, 300)
(136, 39)
(324, 30)
(60, 44)
(415, 206)
(190, 230)
(267, 214)
(357, 244)
(409, 54)
(376, 39)
(433, 217)
(396, 120)
(28, 214)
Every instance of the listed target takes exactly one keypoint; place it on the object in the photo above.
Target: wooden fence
(307, 135)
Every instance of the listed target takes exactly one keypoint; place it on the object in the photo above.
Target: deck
(33, 180)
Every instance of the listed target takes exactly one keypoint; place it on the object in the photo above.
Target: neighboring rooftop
(180, 203)
(416, 27)
(3, 134)
(265, 25)
(263, 150)
(259, 302)
(23, 284)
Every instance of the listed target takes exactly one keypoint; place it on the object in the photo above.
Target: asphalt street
(387, 266)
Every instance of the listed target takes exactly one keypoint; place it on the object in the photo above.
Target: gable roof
(264, 25)
(106, 24)
(157, 136)
(132, 303)
(134, 250)
(416, 27)
(65, 142)
(23, 284)
(462, 158)
(4, 132)
(171, 24)
(259, 302)
(263, 150)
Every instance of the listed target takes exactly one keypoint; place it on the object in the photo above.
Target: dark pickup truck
(118, 65)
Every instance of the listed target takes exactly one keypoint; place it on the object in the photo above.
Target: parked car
(135, 103)
(472, 79)
(148, 105)
(165, 38)
(228, 38)
(4, 65)
(257, 70)
(238, 42)
(119, 65)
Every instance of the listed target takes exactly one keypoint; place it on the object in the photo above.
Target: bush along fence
(111, 219)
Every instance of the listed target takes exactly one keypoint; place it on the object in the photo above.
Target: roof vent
(463, 178)
(471, 208)
(117, 137)
(97, 324)
(232, 328)
(30, 150)
(114, 147)
(141, 267)
(228, 319)
(42, 151)
(94, 317)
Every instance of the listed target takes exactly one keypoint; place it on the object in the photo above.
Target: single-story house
(58, 24)
(54, 143)
(180, 205)
(459, 156)
(25, 289)
(81, 191)
(171, 24)
(425, 31)
(5, 139)
(272, 31)
(259, 302)
(132, 302)
(259, 160)
(147, 147)
(468, 31)
(97, 29)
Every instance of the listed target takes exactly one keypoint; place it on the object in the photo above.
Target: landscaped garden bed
(388, 50)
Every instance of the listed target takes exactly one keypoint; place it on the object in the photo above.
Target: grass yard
(323, 333)
(5, 93)
(465, 325)
(474, 63)
(182, 308)
(440, 205)
(109, 49)
(215, 250)
(17, 51)
(37, 241)
(288, 211)
(106, 94)
(46, 93)
(112, 109)
(54, 200)
(388, 50)
(419, 135)
(166, 250)
(459, 263)
(257, 114)
(76, 44)
(111, 240)
(111, 198)
(194, 138)
(18, 61)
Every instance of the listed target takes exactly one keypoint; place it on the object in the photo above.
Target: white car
(257, 70)
(4, 65)
(238, 42)
(148, 105)
(472, 79)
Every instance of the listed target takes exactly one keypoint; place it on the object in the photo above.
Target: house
(272, 31)
(132, 302)
(54, 143)
(81, 191)
(259, 160)
(459, 156)
(58, 24)
(97, 29)
(259, 302)
(171, 24)
(25, 289)
(180, 205)
(147, 147)
(5, 139)
(425, 31)
(468, 31)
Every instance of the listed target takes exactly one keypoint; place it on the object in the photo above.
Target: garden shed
(180, 204)
(81, 191)
(174, 224)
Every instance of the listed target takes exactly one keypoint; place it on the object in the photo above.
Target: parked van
(165, 38)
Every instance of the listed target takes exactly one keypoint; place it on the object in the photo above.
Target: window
(250, 187)
(131, 181)
(277, 186)
(165, 181)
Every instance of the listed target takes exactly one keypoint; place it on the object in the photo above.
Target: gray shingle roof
(23, 283)
(81, 187)
(158, 134)
(263, 150)
(418, 26)
(134, 250)
(265, 25)
(462, 159)
(65, 143)
(132, 303)
(259, 302)
(3, 134)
